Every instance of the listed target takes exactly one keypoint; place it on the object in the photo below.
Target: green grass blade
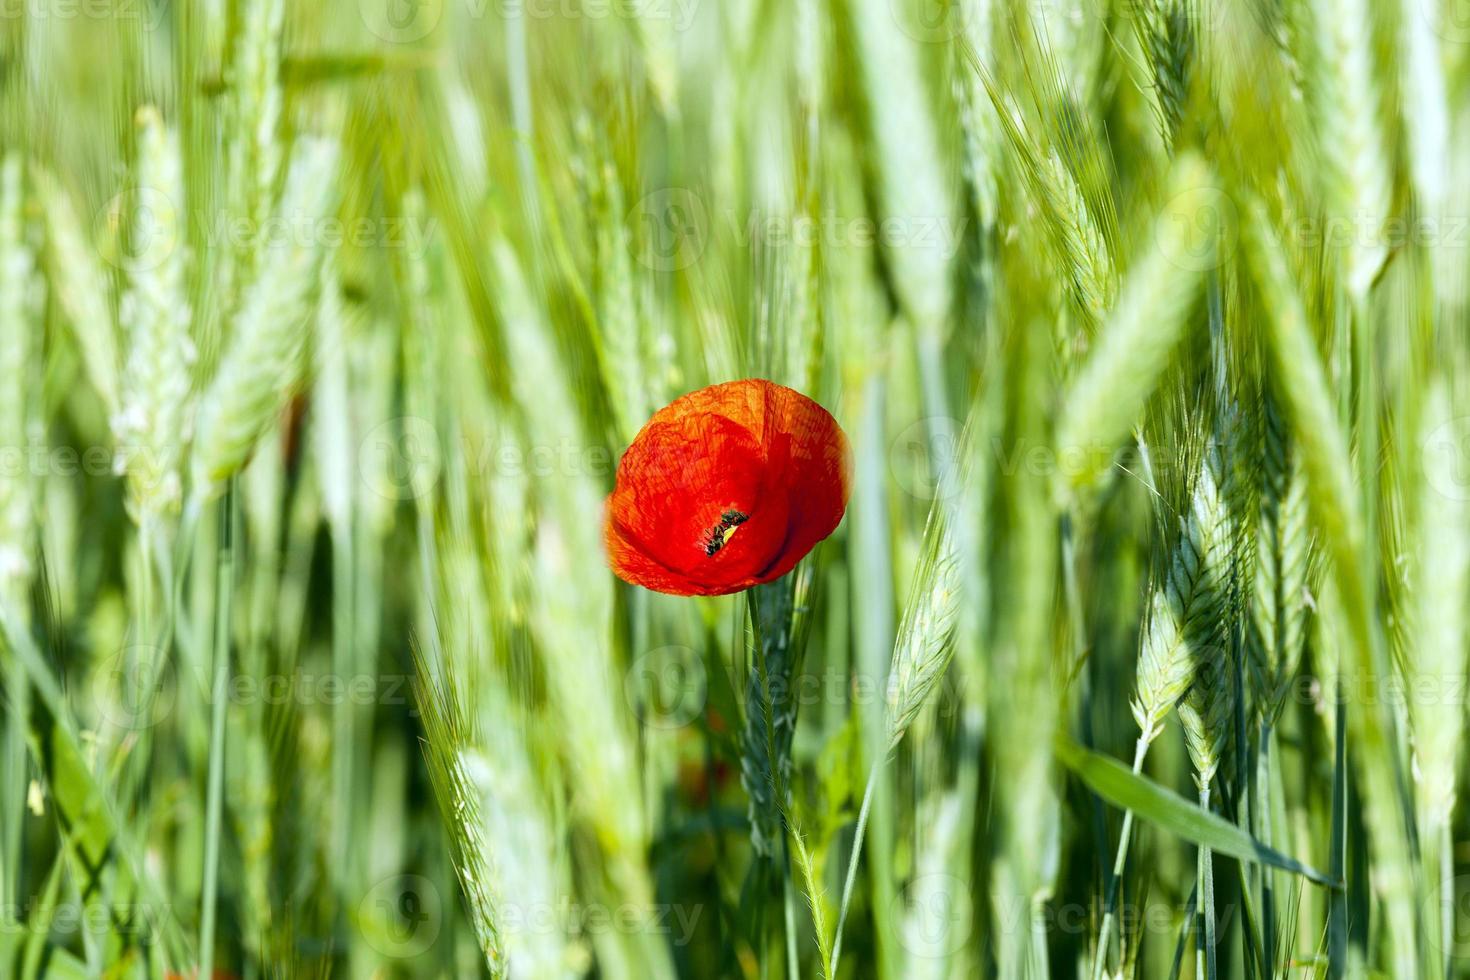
(1115, 783)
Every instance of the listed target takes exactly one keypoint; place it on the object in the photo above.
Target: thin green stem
(1262, 804)
(852, 863)
(1120, 860)
(1205, 950)
(763, 636)
(1446, 845)
(342, 743)
(793, 967)
(16, 722)
(214, 804)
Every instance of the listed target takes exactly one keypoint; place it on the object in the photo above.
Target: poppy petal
(724, 488)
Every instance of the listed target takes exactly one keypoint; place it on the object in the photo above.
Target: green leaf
(1114, 782)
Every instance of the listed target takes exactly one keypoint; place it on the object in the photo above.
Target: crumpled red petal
(752, 450)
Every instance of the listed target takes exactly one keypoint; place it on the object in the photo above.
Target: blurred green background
(324, 325)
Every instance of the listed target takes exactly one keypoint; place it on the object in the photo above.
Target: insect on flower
(725, 488)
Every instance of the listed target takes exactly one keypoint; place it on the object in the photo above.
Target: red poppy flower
(727, 487)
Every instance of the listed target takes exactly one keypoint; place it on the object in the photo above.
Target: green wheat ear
(1441, 580)
(925, 643)
(156, 315)
(1134, 345)
(21, 295)
(1276, 632)
(770, 718)
(1333, 41)
(1183, 640)
(77, 281)
(269, 339)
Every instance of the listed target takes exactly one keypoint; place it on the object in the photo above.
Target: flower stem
(852, 863)
(214, 802)
(1120, 859)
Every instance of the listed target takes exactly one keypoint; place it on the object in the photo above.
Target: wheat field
(1140, 649)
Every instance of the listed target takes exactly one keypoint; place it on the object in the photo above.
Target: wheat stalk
(1334, 42)
(771, 705)
(1133, 347)
(254, 156)
(155, 314)
(925, 643)
(1334, 504)
(21, 296)
(266, 359)
(1181, 656)
(921, 655)
(914, 187)
(623, 368)
(1081, 247)
(1166, 31)
(1439, 626)
(77, 281)
(1276, 630)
